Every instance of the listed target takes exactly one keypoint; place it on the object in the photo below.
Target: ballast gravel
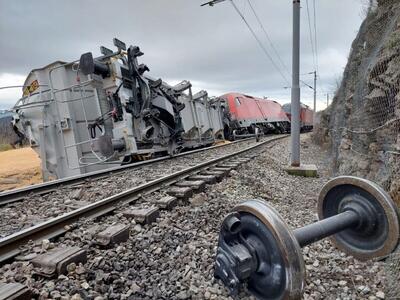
(174, 257)
(38, 208)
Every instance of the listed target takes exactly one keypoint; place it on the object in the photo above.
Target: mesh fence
(373, 102)
(392, 273)
(365, 121)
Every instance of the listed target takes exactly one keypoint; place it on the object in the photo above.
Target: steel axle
(319, 230)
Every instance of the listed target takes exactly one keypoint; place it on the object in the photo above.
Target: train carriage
(246, 113)
(306, 116)
(84, 116)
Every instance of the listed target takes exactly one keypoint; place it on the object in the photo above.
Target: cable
(273, 46)
(259, 42)
(311, 35)
(269, 39)
(315, 36)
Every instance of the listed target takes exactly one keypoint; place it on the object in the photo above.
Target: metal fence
(366, 130)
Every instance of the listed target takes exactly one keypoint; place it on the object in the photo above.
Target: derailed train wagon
(306, 116)
(84, 115)
(244, 114)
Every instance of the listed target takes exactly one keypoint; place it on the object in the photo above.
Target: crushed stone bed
(38, 208)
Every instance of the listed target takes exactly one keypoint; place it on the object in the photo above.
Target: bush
(5, 147)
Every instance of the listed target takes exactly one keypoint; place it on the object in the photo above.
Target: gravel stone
(71, 268)
(342, 283)
(45, 244)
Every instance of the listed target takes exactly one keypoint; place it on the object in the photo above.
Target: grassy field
(18, 168)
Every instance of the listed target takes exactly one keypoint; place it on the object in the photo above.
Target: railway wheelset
(256, 247)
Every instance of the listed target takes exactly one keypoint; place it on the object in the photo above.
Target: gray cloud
(180, 39)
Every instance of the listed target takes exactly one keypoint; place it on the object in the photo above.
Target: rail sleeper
(180, 192)
(242, 160)
(225, 170)
(143, 215)
(14, 291)
(55, 261)
(210, 179)
(197, 185)
(167, 202)
(229, 165)
(218, 174)
(115, 234)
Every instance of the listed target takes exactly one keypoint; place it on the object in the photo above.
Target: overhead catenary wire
(273, 46)
(260, 43)
(268, 38)
(315, 37)
(311, 35)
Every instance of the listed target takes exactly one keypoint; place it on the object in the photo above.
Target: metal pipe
(295, 107)
(317, 231)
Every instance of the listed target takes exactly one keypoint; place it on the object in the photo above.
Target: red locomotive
(245, 114)
(306, 116)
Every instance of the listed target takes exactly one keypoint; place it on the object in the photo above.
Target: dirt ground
(18, 168)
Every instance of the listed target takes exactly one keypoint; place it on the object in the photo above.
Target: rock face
(362, 125)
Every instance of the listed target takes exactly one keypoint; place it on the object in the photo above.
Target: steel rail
(10, 245)
(50, 186)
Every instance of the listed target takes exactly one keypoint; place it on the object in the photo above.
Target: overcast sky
(210, 46)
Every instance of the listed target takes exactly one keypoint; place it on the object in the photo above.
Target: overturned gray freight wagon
(85, 115)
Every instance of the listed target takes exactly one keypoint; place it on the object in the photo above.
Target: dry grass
(18, 168)
(5, 147)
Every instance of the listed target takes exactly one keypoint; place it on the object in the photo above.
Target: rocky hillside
(362, 126)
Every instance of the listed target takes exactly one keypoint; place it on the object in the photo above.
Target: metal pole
(327, 100)
(315, 96)
(295, 107)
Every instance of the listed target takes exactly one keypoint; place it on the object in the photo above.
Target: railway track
(177, 185)
(73, 195)
(21, 194)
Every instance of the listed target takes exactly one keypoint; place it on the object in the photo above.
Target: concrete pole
(295, 107)
(315, 96)
(327, 100)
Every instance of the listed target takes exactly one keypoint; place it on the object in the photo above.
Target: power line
(213, 2)
(272, 44)
(269, 39)
(259, 42)
(315, 35)
(311, 35)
